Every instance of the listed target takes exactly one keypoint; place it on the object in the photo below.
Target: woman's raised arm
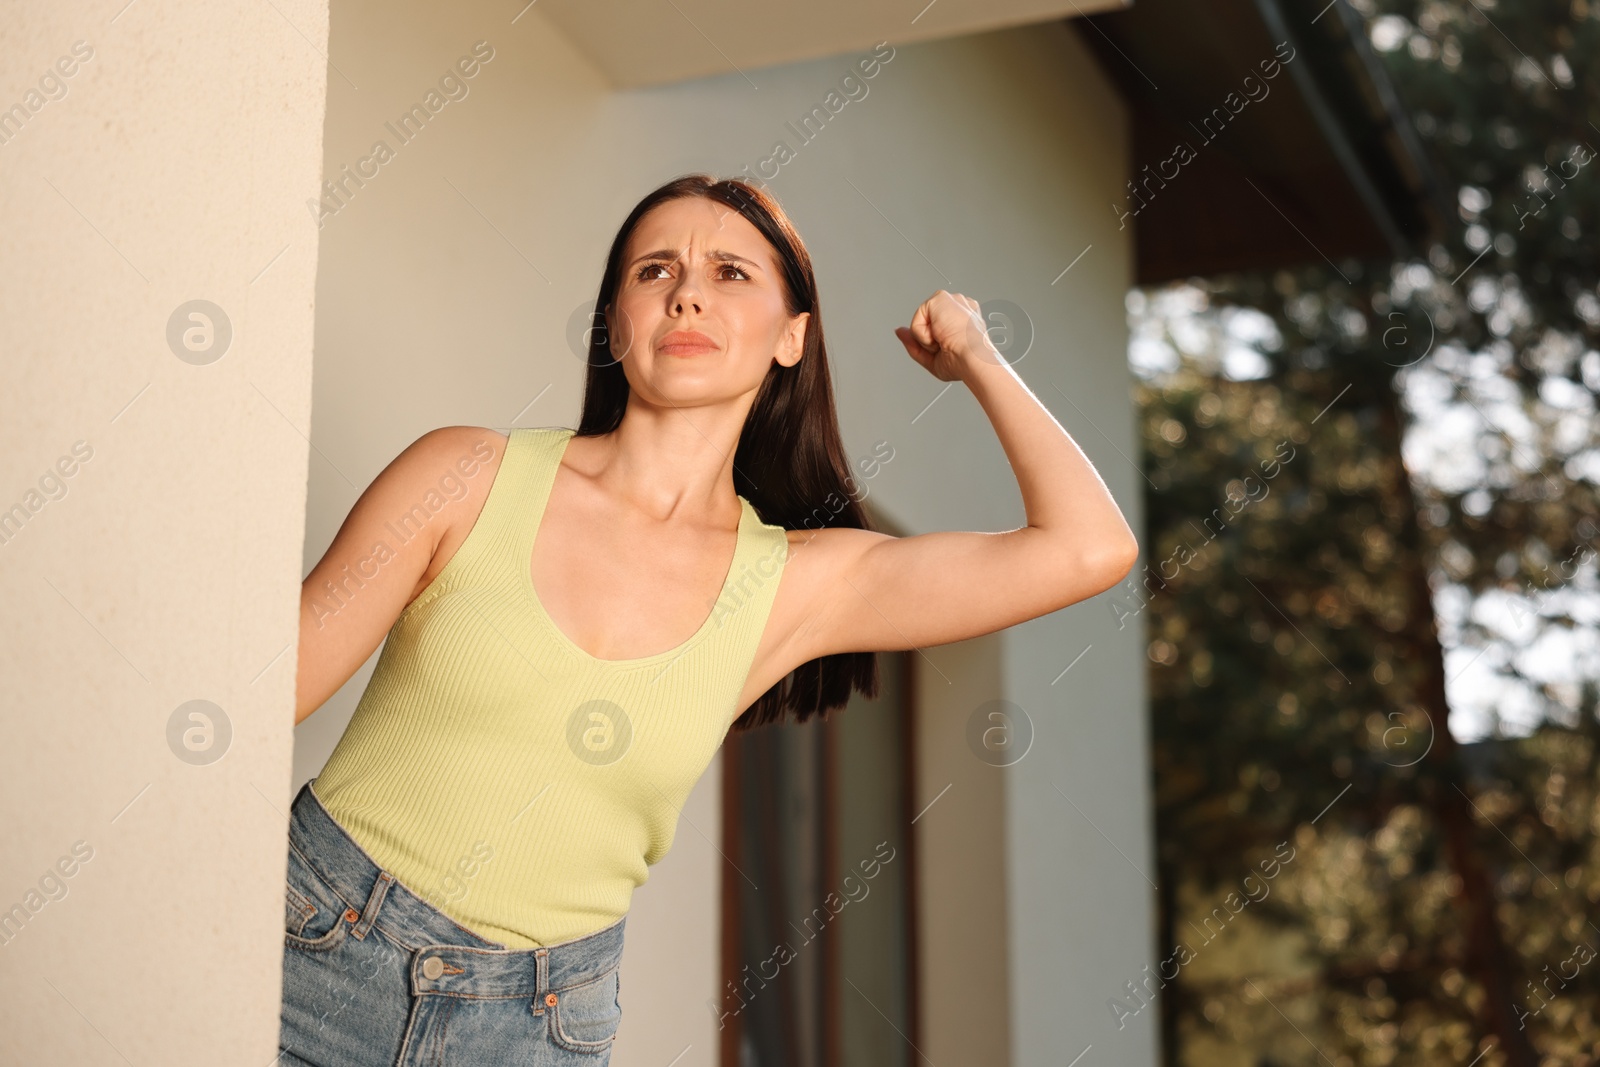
(869, 591)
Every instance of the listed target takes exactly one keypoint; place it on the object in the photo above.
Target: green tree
(1298, 629)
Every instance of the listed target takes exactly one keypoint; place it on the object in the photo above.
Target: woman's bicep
(878, 592)
(377, 561)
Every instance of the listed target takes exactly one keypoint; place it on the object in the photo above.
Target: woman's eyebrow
(716, 254)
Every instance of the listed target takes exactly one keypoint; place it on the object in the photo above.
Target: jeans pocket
(315, 918)
(585, 1017)
(297, 910)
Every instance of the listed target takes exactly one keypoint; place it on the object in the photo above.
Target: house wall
(963, 860)
(981, 164)
(153, 496)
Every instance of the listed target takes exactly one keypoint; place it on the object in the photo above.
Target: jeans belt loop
(369, 915)
(541, 981)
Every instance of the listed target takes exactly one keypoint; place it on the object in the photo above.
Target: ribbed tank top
(518, 784)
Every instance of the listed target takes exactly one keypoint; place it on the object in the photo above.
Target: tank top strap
(489, 555)
(538, 459)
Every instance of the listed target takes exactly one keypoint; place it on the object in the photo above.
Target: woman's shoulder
(444, 460)
(463, 448)
(485, 445)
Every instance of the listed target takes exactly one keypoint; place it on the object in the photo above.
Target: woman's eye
(643, 273)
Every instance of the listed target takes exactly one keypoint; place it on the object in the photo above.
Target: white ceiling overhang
(655, 42)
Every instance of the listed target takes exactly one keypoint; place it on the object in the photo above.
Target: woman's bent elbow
(1113, 566)
(1127, 560)
(1090, 574)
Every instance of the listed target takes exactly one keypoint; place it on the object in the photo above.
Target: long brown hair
(790, 463)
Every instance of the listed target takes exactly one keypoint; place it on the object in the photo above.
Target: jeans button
(432, 968)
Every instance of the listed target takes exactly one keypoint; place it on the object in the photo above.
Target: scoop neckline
(746, 518)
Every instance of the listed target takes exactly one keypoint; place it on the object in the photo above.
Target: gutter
(1332, 131)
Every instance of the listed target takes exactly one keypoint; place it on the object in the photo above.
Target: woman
(560, 665)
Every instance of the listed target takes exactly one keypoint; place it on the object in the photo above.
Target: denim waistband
(471, 965)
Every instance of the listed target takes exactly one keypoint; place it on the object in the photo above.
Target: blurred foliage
(1298, 575)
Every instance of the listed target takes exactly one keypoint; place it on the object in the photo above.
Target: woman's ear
(794, 340)
(618, 350)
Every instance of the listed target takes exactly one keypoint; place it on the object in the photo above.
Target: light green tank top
(518, 784)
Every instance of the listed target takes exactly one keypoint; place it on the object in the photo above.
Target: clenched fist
(947, 336)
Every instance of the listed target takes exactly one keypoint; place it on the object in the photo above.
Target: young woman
(575, 619)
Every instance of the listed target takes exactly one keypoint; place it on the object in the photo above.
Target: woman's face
(698, 315)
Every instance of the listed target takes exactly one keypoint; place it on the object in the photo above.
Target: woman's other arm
(396, 539)
(872, 591)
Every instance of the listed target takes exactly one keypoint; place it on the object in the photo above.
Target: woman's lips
(686, 344)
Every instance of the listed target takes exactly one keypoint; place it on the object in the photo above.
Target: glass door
(818, 952)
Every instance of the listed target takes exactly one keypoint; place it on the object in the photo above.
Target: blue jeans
(374, 975)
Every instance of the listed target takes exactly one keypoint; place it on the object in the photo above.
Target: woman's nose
(687, 295)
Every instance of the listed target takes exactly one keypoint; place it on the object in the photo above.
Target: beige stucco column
(156, 279)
